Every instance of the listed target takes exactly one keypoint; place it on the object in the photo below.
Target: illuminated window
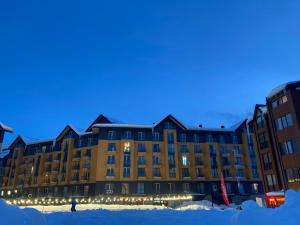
(127, 147)
(255, 188)
(184, 160)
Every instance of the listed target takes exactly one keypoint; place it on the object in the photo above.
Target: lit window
(127, 147)
(184, 160)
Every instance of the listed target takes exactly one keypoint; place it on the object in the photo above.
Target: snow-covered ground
(187, 214)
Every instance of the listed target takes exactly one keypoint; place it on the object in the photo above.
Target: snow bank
(188, 214)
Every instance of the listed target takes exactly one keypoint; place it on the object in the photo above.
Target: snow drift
(188, 214)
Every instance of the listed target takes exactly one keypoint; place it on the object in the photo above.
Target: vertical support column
(1, 138)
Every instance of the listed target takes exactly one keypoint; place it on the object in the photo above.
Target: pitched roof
(122, 125)
(102, 119)
(281, 88)
(6, 128)
(174, 119)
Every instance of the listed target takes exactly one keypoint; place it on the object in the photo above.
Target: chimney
(222, 126)
(200, 125)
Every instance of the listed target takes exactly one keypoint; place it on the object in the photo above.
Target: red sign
(224, 191)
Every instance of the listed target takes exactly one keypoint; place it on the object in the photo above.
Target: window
(200, 188)
(156, 172)
(254, 187)
(111, 159)
(140, 188)
(222, 139)
(284, 122)
(288, 147)
(212, 150)
(228, 188)
(86, 190)
(155, 148)
(214, 172)
(210, 138)
(185, 172)
(186, 187)
(271, 180)
(279, 101)
(111, 135)
(110, 172)
(199, 172)
(127, 147)
(267, 161)
(182, 137)
(111, 147)
(240, 173)
(214, 187)
(141, 160)
(237, 150)
(226, 173)
(196, 138)
(155, 136)
(197, 149)
(172, 172)
(127, 135)
(241, 188)
(198, 161)
(185, 161)
(293, 174)
(127, 160)
(156, 160)
(170, 137)
(184, 149)
(260, 120)
(141, 172)
(125, 189)
(126, 172)
(263, 143)
(109, 188)
(141, 147)
(141, 136)
(171, 148)
(171, 188)
(156, 188)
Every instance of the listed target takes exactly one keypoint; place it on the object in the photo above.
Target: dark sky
(205, 62)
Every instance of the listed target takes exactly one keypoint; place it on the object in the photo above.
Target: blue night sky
(206, 62)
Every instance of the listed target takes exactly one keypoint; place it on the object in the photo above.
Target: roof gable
(5, 128)
(100, 119)
(68, 128)
(172, 119)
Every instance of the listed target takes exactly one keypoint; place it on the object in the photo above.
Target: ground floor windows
(140, 188)
(157, 188)
(109, 188)
(254, 187)
(228, 188)
(186, 188)
(271, 182)
(125, 188)
(86, 190)
(200, 188)
(293, 175)
(171, 188)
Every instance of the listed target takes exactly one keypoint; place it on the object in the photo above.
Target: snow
(280, 88)
(189, 213)
(4, 153)
(6, 128)
(122, 125)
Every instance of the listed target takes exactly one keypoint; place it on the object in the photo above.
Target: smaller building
(277, 129)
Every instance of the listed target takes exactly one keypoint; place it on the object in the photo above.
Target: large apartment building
(165, 158)
(277, 129)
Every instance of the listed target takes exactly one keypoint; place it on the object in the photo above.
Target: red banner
(224, 191)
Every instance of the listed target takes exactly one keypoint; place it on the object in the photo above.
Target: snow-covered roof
(30, 141)
(280, 88)
(6, 128)
(122, 125)
(264, 109)
(275, 193)
(4, 153)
